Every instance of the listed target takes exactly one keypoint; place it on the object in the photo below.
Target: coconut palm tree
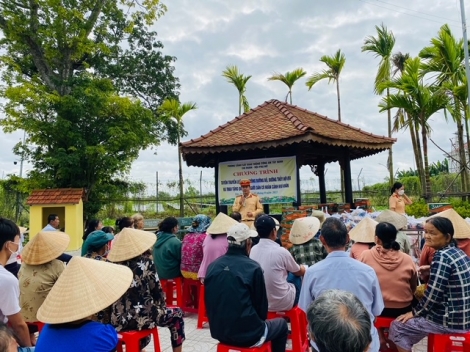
(444, 59)
(239, 80)
(420, 101)
(173, 109)
(289, 79)
(335, 65)
(382, 46)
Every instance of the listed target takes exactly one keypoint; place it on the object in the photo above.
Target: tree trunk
(290, 95)
(419, 154)
(390, 151)
(416, 151)
(339, 99)
(180, 173)
(239, 104)
(427, 176)
(467, 150)
(462, 157)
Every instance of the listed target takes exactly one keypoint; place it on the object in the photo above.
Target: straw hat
(304, 229)
(85, 287)
(319, 215)
(461, 227)
(129, 243)
(392, 217)
(221, 224)
(44, 247)
(23, 229)
(364, 232)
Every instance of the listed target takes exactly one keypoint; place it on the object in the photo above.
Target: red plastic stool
(169, 287)
(38, 324)
(298, 326)
(226, 348)
(449, 342)
(132, 339)
(384, 323)
(191, 289)
(202, 313)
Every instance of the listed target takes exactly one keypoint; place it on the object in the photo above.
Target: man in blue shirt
(339, 271)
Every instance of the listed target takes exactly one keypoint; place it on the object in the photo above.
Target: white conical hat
(364, 232)
(392, 217)
(461, 227)
(85, 287)
(221, 224)
(44, 247)
(129, 243)
(304, 229)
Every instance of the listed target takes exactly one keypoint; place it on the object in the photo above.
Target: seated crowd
(115, 286)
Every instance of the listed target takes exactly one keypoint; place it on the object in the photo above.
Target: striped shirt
(447, 298)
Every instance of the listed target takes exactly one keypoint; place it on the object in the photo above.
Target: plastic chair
(202, 313)
(449, 342)
(226, 348)
(384, 323)
(169, 287)
(190, 302)
(132, 340)
(298, 326)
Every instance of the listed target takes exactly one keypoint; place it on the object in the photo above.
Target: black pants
(277, 334)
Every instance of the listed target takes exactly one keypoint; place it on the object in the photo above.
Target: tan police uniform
(251, 204)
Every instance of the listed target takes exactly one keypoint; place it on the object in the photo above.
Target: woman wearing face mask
(96, 245)
(398, 200)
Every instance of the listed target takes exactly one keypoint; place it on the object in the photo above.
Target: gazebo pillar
(347, 177)
(321, 181)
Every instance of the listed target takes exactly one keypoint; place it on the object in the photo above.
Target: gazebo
(277, 129)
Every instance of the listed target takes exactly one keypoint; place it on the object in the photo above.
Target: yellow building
(67, 203)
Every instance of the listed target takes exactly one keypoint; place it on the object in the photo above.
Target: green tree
(420, 101)
(239, 80)
(62, 70)
(335, 65)
(289, 79)
(382, 46)
(173, 109)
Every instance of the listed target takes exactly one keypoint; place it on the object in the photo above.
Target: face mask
(401, 192)
(17, 249)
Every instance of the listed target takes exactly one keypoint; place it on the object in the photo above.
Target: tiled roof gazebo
(275, 129)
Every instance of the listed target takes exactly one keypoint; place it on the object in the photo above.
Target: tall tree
(335, 65)
(173, 109)
(444, 59)
(239, 80)
(289, 79)
(420, 101)
(62, 77)
(382, 46)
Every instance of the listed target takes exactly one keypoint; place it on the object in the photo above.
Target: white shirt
(49, 227)
(276, 262)
(9, 294)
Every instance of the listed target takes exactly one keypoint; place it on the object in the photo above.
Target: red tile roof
(280, 121)
(55, 196)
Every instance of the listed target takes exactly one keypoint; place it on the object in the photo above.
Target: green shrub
(417, 209)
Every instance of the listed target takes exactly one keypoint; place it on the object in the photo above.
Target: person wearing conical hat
(306, 248)
(461, 236)
(400, 222)
(40, 270)
(363, 235)
(247, 204)
(10, 310)
(85, 287)
(215, 244)
(143, 306)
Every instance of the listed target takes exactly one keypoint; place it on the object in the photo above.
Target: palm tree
(173, 109)
(420, 101)
(335, 64)
(445, 58)
(239, 81)
(382, 47)
(288, 79)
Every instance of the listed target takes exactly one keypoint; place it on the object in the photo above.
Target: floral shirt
(191, 254)
(143, 305)
(96, 256)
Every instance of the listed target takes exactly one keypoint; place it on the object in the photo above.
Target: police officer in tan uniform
(247, 204)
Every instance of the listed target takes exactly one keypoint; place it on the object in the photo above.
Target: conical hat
(392, 217)
(364, 232)
(221, 224)
(304, 229)
(129, 243)
(44, 247)
(85, 287)
(461, 227)
(319, 215)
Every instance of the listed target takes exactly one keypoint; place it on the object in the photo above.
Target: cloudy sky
(266, 36)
